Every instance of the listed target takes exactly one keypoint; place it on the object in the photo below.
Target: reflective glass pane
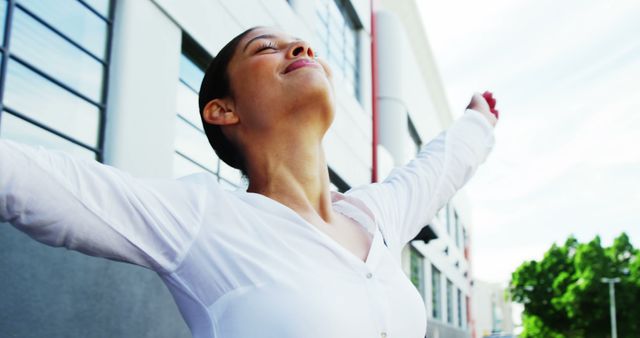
(336, 67)
(44, 49)
(334, 11)
(3, 15)
(74, 20)
(194, 144)
(101, 6)
(336, 50)
(341, 42)
(187, 105)
(351, 59)
(14, 128)
(449, 302)
(34, 96)
(323, 40)
(184, 167)
(190, 73)
(322, 12)
(436, 304)
(350, 36)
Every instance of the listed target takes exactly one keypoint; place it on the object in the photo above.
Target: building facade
(117, 81)
(495, 313)
(413, 110)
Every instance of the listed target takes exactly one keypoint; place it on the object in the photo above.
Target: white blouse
(241, 265)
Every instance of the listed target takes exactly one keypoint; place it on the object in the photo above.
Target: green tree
(563, 295)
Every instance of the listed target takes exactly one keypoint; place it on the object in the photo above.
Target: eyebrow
(264, 36)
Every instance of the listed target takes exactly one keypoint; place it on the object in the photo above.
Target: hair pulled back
(216, 85)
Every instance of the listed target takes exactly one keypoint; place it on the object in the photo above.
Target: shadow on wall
(55, 293)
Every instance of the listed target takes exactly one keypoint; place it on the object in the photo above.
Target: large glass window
(53, 73)
(460, 299)
(449, 302)
(337, 30)
(193, 153)
(436, 292)
(417, 270)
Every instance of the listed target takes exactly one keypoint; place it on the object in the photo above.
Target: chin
(313, 94)
(311, 85)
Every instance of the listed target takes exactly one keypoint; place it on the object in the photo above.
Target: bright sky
(566, 75)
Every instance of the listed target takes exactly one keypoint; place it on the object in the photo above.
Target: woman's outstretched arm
(411, 195)
(99, 210)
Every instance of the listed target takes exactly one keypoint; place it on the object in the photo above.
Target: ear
(219, 112)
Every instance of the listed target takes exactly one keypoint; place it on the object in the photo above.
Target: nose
(300, 48)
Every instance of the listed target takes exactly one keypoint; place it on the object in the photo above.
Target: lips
(299, 64)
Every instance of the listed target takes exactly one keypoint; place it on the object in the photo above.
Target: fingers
(488, 96)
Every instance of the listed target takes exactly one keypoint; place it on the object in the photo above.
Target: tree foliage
(563, 294)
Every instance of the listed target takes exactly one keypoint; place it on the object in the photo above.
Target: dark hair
(216, 85)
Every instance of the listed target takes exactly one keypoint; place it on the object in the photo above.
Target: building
(494, 312)
(410, 88)
(117, 81)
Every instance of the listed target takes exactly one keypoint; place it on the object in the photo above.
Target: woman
(286, 258)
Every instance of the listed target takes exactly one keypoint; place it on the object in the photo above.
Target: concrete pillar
(392, 111)
(142, 90)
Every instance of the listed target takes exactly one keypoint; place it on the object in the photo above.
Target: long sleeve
(99, 210)
(411, 195)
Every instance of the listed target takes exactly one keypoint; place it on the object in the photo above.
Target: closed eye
(267, 45)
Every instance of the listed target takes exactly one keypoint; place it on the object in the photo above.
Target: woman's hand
(485, 104)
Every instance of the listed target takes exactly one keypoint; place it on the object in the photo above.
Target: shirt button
(369, 275)
(383, 334)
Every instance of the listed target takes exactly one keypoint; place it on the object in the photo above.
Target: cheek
(257, 79)
(256, 88)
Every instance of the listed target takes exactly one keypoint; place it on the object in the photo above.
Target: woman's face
(277, 83)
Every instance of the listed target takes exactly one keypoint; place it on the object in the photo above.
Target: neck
(293, 171)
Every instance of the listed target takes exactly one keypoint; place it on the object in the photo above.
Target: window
(459, 298)
(449, 302)
(465, 242)
(436, 292)
(193, 153)
(465, 236)
(54, 66)
(467, 304)
(337, 30)
(417, 270)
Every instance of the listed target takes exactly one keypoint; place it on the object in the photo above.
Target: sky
(566, 75)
